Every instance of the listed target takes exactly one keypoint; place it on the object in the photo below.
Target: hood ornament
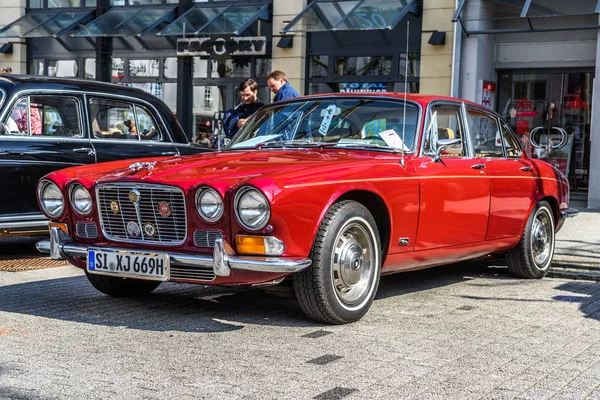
(142, 165)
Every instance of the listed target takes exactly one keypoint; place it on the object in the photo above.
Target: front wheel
(342, 281)
(121, 287)
(532, 257)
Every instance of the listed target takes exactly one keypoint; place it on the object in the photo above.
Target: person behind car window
(278, 83)
(131, 128)
(235, 118)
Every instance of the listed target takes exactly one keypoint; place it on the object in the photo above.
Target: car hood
(232, 167)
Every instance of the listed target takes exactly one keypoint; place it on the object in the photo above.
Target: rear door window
(56, 116)
(122, 120)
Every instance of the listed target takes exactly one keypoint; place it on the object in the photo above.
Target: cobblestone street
(465, 331)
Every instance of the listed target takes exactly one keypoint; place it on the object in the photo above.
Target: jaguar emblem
(142, 165)
(134, 196)
(164, 209)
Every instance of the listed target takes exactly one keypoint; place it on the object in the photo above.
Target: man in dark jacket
(234, 119)
(278, 83)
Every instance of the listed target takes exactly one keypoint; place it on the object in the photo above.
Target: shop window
(170, 67)
(63, 68)
(35, 4)
(414, 65)
(36, 66)
(485, 134)
(263, 66)
(143, 68)
(90, 3)
(207, 97)
(118, 68)
(239, 68)
(380, 65)
(318, 66)
(200, 68)
(63, 3)
(45, 115)
(89, 68)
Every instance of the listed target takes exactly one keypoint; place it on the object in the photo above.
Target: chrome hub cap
(353, 263)
(542, 234)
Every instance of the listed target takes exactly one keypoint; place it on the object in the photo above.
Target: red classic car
(331, 191)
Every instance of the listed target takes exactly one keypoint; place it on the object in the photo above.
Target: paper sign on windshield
(329, 113)
(391, 138)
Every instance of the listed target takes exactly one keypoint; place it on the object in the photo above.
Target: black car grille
(158, 218)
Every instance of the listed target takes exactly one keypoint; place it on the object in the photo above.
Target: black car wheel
(532, 257)
(342, 281)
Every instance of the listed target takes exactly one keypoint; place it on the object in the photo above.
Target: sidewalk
(577, 252)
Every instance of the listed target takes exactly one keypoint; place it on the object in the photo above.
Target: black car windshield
(349, 122)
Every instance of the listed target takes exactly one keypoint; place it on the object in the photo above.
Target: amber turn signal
(263, 245)
(62, 227)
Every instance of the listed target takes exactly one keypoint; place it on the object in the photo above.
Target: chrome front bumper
(222, 261)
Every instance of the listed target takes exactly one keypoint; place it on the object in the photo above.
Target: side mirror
(450, 146)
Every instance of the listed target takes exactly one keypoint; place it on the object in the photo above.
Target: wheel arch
(376, 206)
(555, 209)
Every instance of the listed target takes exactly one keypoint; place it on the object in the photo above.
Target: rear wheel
(121, 287)
(532, 257)
(342, 281)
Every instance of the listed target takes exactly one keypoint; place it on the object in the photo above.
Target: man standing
(234, 119)
(278, 83)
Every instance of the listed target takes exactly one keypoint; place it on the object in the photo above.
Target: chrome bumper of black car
(222, 261)
(569, 213)
(23, 225)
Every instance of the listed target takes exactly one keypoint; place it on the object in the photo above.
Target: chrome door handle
(89, 151)
(168, 153)
(526, 168)
(478, 166)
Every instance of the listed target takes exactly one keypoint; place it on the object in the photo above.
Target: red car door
(455, 190)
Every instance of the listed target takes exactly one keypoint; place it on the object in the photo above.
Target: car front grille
(206, 238)
(140, 213)
(190, 273)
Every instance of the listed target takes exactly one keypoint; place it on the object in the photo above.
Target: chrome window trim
(490, 115)
(134, 185)
(461, 121)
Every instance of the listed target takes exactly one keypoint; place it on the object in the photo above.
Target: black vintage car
(48, 124)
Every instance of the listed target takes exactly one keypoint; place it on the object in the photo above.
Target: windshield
(350, 122)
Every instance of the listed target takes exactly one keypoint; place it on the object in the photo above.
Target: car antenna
(405, 87)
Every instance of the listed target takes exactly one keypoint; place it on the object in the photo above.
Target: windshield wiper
(294, 144)
(369, 146)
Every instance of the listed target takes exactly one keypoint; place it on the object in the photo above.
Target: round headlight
(81, 199)
(209, 204)
(252, 208)
(51, 199)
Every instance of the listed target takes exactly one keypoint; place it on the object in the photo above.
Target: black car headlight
(209, 204)
(51, 198)
(81, 199)
(252, 208)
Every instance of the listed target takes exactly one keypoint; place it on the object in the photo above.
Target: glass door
(551, 114)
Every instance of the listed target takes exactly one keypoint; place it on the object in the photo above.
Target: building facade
(533, 62)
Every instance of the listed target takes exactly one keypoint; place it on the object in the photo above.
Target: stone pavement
(577, 253)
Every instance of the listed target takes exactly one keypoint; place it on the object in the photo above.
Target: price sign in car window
(329, 112)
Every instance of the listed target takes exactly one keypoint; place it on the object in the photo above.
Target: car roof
(417, 97)
(11, 83)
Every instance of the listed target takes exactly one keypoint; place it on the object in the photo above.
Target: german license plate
(128, 264)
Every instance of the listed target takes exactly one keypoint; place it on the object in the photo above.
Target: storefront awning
(46, 24)
(217, 20)
(125, 21)
(514, 16)
(346, 15)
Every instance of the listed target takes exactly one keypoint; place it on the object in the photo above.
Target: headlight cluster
(51, 199)
(251, 207)
(209, 204)
(81, 199)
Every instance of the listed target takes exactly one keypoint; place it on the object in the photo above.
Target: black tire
(121, 287)
(341, 283)
(532, 257)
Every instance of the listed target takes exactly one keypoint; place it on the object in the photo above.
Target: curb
(582, 271)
